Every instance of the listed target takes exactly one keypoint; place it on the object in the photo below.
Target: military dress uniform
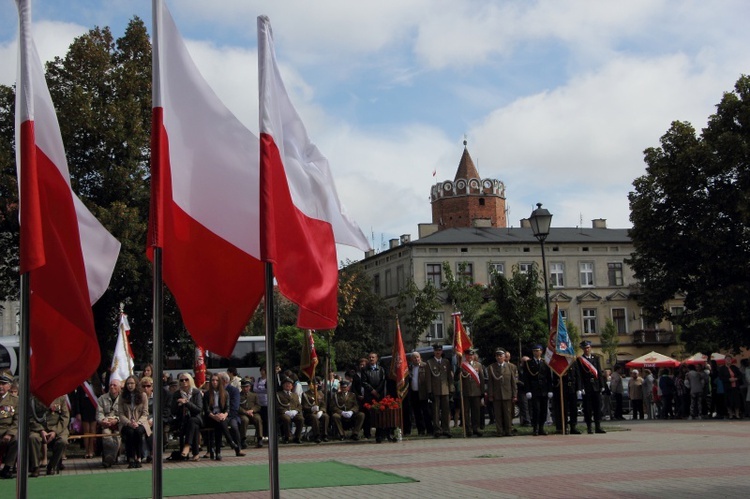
(592, 384)
(8, 429)
(472, 393)
(107, 407)
(44, 421)
(503, 391)
(344, 403)
(570, 387)
(289, 410)
(249, 402)
(314, 412)
(440, 386)
(537, 382)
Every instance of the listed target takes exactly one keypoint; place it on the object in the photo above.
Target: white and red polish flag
(302, 218)
(204, 196)
(67, 253)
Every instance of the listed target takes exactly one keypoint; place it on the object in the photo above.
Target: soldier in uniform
(250, 414)
(48, 425)
(314, 411)
(108, 417)
(417, 380)
(537, 380)
(8, 425)
(472, 393)
(503, 392)
(346, 409)
(592, 386)
(570, 389)
(440, 386)
(289, 410)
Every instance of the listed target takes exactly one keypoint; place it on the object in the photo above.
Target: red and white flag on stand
(302, 218)
(204, 197)
(67, 253)
(309, 357)
(122, 360)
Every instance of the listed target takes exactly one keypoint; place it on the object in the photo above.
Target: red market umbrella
(653, 360)
(700, 359)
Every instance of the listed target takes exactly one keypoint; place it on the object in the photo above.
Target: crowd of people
(363, 403)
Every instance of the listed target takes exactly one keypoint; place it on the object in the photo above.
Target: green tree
(517, 315)
(610, 341)
(423, 306)
(466, 296)
(691, 224)
(289, 350)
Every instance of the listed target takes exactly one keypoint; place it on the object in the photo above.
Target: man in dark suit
(592, 385)
(416, 380)
(373, 378)
(537, 382)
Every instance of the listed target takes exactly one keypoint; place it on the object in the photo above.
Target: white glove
(315, 408)
(583, 392)
(291, 414)
(319, 413)
(579, 393)
(528, 395)
(347, 414)
(549, 395)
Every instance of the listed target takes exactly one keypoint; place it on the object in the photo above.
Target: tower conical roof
(466, 168)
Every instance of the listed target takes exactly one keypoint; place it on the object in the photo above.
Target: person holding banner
(472, 390)
(592, 386)
(537, 381)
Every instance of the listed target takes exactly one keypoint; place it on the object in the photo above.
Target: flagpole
(157, 362)
(273, 447)
(562, 406)
(461, 394)
(24, 391)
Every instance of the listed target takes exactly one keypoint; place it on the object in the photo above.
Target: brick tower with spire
(468, 200)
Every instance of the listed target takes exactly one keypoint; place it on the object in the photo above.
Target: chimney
(525, 223)
(599, 223)
(405, 238)
(392, 243)
(369, 253)
(427, 229)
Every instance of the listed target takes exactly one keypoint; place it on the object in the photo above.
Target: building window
(388, 283)
(496, 269)
(525, 268)
(586, 270)
(556, 273)
(376, 284)
(481, 201)
(436, 328)
(564, 315)
(614, 271)
(619, 317)
(465, 272)
(676, 313)
(400, 278)
(435, 274)
(589, 321)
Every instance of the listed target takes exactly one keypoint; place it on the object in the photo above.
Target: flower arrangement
(385, 403)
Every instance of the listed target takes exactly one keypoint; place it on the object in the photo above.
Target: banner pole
(273, 444)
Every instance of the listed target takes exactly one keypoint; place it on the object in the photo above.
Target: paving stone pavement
(636, 459)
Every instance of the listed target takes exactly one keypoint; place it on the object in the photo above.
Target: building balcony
(653, 337)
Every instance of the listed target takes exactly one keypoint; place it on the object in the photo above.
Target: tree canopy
(691, 225)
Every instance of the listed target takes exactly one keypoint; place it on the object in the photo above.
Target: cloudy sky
(558, 99)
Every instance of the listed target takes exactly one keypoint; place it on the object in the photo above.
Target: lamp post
(540, 220)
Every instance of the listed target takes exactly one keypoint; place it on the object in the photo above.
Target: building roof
(491, 235)
(466, 168)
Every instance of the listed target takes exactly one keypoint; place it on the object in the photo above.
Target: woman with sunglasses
(134, 425)
(187, 405)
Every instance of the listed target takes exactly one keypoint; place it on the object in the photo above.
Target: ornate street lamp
(540, 220)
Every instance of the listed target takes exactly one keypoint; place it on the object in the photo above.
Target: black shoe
(284, 440)
(448, 435)
(477, 434)
(436, 435)
(325, 439)
(218, 457)
(296, 440)
(131, 465)
(599, 429)
(574, 431)
(589, 431)
(60, 466)
(536, 433)
(34, 473)
(238, 452)
(542, 432)
(6, 473)
(259, 444)
(355, 437)
(243, 445)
